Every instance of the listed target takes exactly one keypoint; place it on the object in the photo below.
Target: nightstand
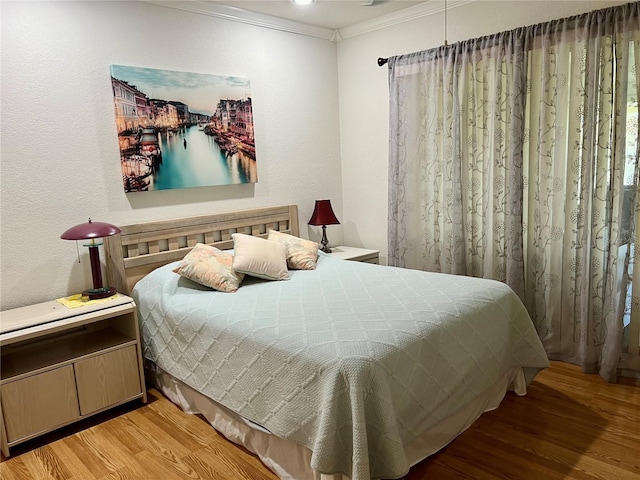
(365, 255)
(60, 365)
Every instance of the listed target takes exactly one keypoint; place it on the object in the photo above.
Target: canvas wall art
(182, 130)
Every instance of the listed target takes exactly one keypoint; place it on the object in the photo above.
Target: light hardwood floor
(569, 426)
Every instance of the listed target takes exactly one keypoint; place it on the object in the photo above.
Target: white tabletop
(352, 253)
(52, 311)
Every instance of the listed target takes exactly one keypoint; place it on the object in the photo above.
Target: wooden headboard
(141, 248)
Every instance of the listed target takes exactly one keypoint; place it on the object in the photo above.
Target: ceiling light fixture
(302, 2)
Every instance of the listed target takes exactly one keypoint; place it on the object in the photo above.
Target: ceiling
(331, 14)
(333, 20)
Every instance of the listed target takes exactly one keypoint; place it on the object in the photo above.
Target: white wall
(364, 97)
(59, 151)
(59, 159)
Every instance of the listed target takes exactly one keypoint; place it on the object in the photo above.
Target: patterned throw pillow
(259, 257)
(301, 254)
(210, 267)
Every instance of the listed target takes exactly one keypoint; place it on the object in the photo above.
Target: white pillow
(259, 257)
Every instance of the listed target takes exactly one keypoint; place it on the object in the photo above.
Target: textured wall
(59, 161)
(59, 153)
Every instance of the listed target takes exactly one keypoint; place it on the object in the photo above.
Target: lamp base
(325, 243)
(98, 293)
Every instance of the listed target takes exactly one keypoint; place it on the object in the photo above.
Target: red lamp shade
(323, 215)
(91, 231)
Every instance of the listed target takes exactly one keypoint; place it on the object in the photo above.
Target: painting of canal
(182, 130)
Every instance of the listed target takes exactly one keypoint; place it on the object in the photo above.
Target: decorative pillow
(210, 267)
(259, 257)
(301, 254)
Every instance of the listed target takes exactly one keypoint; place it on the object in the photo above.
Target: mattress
(352, 361)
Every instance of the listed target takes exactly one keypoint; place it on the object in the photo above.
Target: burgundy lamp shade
(91, 231)
(86, 231)
(323, 215)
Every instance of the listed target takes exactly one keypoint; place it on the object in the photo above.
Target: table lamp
(92, 231)
(323, 215)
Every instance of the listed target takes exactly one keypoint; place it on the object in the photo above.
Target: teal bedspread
(352, 360)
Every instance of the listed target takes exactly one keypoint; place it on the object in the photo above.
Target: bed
(349, 371)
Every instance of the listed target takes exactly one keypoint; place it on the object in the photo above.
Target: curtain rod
(384, 61)
(576, 22)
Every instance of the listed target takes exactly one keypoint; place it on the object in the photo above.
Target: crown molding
(234, 14)
(430, 7)
(240, 15)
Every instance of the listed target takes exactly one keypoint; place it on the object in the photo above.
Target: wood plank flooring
(569, 426)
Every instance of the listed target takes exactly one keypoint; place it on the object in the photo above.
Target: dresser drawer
(39, 403)
(107, 379)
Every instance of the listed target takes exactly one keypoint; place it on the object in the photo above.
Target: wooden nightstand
(60, 365)
(357, 254)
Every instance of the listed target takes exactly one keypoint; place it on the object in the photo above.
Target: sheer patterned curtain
(455, 167)
(510, 160)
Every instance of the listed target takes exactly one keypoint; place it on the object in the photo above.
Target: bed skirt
(291, 461)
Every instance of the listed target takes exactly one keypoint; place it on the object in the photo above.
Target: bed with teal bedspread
(351, 360)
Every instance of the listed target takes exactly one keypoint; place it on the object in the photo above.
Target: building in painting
(164, 114)
(232, 126)
(244, 118)
(235, 117)
(130, 104)
(182, 111)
